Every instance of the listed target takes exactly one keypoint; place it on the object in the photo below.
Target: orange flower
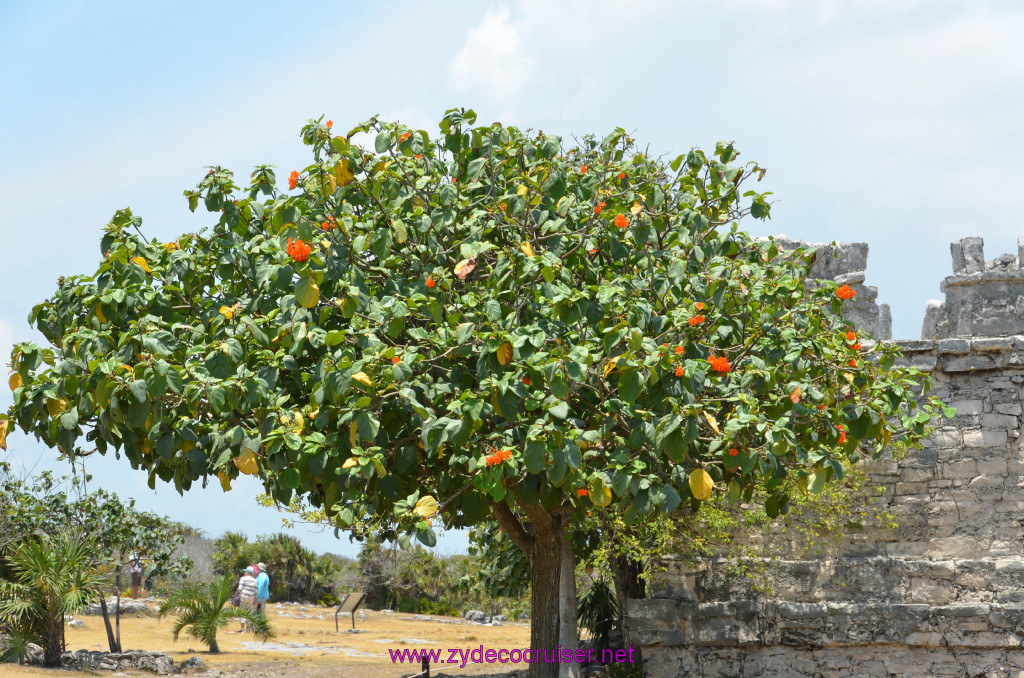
(404, 137)
(622, 175)
(396, 360)
(851, 336)
(733, 451)
(679, 350)
(720, 364)
(455, 180)
(852, 363)
(330, 124)
(583, 169)
(842, 433)
(600, 206)
(621, 221)
(419, 155)
(593, 250)
(293, 179)
(526, 380)
(700, 306)
(821, 407)
(430, 283)
(329, 224)
(696, 320)
(680, 371)
(298, 250)
(504, 206)
(856, 347)
(582, 492)
(846, 292)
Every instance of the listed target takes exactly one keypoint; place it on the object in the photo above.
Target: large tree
(486, 323)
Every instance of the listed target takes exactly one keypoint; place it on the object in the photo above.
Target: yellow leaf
(350, 462)
(225, 480)
(15, 381)
(505, 353)
(342, 174)
(522, 190)
(381, 166)
(600, 495)
(712, 422)
(227, 311)
(332, 183)
(379, 467)
(464, 268)
(848, 376)
(610, 365)
(3, 434)
(362, 378)
(425, 507)
(99, 313)
(55, 407)
(494, 402)
(307, 293)
(635, 209)
(794, 397)
(527, 248)
(141, 261)
(172, 246)
(246, 462)
(701, 484)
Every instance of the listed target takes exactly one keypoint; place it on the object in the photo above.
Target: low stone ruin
(941, 594)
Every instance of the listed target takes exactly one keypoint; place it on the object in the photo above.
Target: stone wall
(942, 594)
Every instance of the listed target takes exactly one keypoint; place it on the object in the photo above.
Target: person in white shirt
(246, 593)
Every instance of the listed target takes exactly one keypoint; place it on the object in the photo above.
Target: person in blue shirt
(262, 588)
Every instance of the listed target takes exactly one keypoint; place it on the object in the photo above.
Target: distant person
(262, 588)
(246, 593)
(135, 573)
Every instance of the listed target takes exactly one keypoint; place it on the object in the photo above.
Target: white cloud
(492, 61)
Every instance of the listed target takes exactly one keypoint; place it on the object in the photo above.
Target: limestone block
(968, 255)
(930, 591)
(1011, 409)
(992, 467)
(966, 407)
(960, 469)
(932, 312)
(973, 362)
(953, 346)
(987, 344)
(999, 421)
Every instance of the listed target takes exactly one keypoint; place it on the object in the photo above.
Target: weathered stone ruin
(942, 594)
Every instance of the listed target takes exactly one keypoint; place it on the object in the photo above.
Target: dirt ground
(306, 644)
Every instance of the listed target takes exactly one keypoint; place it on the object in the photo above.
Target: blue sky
(895, 122)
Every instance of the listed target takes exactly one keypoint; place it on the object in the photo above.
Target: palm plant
(597, 610)
(203, 610)
(52, 577)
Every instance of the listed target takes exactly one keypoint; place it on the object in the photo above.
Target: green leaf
(139, 389)
(559, 410)
(534, 456)
(630, 385)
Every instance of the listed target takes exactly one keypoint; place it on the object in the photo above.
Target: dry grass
(327, 652)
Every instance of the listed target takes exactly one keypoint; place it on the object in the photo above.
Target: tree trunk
(106, 622)
(568, 636)
(628, 584)
(52, 644)
(546, 561)
(214, 647)
(117, 612)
